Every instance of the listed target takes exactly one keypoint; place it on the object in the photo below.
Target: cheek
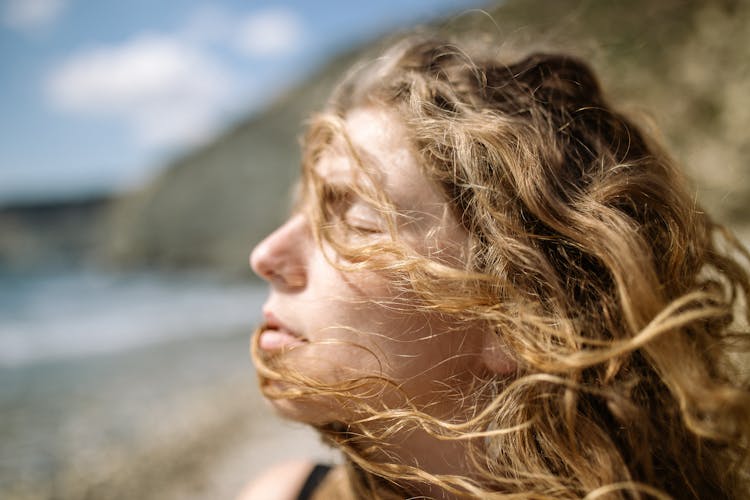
(417, 351)
(361, 320)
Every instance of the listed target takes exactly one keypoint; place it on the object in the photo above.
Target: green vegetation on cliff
(683, 63)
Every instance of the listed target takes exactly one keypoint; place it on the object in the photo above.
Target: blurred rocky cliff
(683, 63)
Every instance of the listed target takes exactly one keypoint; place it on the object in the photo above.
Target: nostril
(294, 276)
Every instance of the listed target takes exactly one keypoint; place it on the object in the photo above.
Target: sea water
(64, 314)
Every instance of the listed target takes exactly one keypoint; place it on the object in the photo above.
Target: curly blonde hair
(624, 306)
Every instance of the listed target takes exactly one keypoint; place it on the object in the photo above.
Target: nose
(281, 258)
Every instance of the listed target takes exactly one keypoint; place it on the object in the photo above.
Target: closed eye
(347, 210)
(363, 218)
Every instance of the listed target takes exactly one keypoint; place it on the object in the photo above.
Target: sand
(180, 420)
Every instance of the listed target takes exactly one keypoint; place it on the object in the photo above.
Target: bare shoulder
(282, 481)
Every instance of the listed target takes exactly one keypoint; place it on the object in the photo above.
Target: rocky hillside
(685, 64)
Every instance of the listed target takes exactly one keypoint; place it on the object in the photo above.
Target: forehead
(383, 150)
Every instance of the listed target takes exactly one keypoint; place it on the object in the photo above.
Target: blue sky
(97, 95)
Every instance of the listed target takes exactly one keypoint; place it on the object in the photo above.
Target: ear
(496, 356)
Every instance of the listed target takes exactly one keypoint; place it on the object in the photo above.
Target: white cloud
(31, 14)
(171, 89)
(269, 32)
(168, 91)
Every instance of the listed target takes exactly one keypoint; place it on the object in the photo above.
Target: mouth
(275, 336)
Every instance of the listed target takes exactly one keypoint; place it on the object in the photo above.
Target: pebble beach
(178, 420)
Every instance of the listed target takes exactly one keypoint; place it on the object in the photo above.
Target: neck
(415, 448)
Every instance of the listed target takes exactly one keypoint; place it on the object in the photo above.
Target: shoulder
(279, 482)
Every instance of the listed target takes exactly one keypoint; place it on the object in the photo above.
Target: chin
(314, 413)
(315, 410)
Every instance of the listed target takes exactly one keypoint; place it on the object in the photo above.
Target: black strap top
(316, 476)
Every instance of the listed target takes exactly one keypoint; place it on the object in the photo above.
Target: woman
(495, 285)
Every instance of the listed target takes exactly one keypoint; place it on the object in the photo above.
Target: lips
(275, 336)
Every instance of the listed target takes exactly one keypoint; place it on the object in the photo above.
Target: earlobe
(495, 356)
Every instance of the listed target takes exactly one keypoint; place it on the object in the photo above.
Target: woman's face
(334, 326)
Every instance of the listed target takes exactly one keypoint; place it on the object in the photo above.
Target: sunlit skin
(334, 326)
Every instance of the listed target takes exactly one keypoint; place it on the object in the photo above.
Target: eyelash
(340, 203)
(361, 227)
